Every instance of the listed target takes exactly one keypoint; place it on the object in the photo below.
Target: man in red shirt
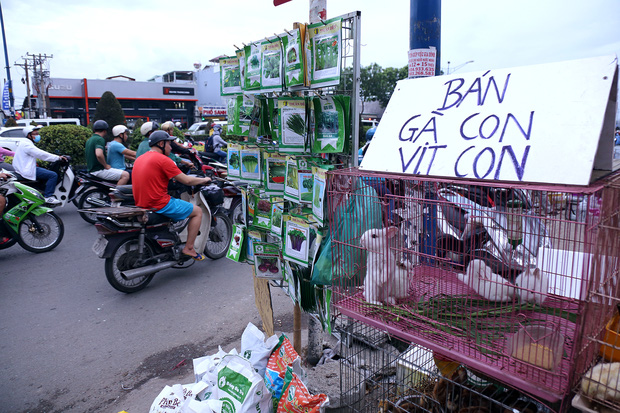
(150, 176)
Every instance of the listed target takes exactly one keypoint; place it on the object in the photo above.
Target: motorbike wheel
(87, 200)
(123, 258)
(236, 212)
(42, 233)
(219, 237)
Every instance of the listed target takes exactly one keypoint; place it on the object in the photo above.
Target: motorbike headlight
(33, 192)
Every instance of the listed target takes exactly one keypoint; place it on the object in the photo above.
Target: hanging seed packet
(273, 119)
(275, 173)
(291, 184)
(267, 261)
(235, 249)
(252, 200)
(255, 116)
(232, 114)
(296, 240)
(234, 162)
(326, 52)
(292, 124)
(250, 164)
(252, 66)
(329, 133)
(262, 215)
(294, 62)
(271, 78)
(277, 210)
(253, 236)
(318, 207)
(241, 56)
(230, 76)
(306, 181)
(245, 105)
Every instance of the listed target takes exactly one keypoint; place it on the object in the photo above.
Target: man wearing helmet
(96, 163)
(117, 150)
(25, 163)
(146, 129)
(168, 127)
(151, 173)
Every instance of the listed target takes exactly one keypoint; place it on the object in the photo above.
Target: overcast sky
(145, 38)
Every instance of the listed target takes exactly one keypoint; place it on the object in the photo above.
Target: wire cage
(403, 377)
(511, 279)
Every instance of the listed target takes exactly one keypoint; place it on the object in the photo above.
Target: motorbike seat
(91, 177)
(155, 218)
(23, 180)
(124, 192)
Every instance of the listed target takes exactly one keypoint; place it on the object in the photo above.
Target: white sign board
(422, 62)
(545, 123)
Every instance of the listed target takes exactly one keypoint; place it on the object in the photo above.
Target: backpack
(209, 144)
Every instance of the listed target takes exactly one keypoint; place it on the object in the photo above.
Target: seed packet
(329, 131)
(262, 215)
(282, 357)
(273, 117)
(326, 52)
(232, 114)
(293, 126)
(230, 76)
(250, 165)
(267, 261)
(252, 200)
(318, 198)
(305, 181)
(275, 173)
(271, 74)
(277, 209)
(235, 249)
(234, 162)
(294, 62)
(296, 241)
(291, 184)
(253, 236)
(255, 118)
(245, 106)
(252, 66)
(241, 56)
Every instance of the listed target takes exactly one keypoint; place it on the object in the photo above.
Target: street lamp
(458, 67)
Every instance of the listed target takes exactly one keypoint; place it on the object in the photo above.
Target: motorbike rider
(4, 165)
(146, 129)
(96, 163)
(117, 150)
(151, 173)
(215, 143)
(2, 197)
(168, 127)
(25, 163)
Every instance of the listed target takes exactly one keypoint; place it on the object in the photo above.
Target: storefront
(158, 101)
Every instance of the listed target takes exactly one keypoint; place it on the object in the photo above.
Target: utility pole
(40, 80)
(8, 69)
(425, 27)
(25, 66)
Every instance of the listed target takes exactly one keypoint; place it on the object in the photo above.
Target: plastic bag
(322, 270)
(170, 399)
(255, 349)
(297, 399)
(240, 388)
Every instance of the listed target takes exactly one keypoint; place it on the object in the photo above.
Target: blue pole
(8, 70)
(425, 27)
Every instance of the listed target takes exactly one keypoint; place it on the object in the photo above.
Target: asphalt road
(69, 342)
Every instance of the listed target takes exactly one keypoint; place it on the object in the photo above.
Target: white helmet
(177, 124)
(167, 126)
(148, 127)
(118, 129)
(29, 129)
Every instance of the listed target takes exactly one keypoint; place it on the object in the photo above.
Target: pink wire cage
(511, 279)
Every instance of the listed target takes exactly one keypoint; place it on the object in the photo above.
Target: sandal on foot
(197, 257)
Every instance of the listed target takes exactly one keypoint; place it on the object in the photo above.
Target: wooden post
(262, 298)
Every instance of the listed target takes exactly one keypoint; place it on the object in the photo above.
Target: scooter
(26, 220)
(137, 243)
(95, 193)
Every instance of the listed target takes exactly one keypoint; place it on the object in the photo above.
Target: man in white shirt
(25, 163)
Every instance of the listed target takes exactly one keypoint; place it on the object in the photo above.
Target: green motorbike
(26, 221)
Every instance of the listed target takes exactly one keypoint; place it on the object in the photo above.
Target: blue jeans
(223, 156)
(50, 178)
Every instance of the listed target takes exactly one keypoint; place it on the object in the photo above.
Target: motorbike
(26, 220)
(137, 243)
(95, 193)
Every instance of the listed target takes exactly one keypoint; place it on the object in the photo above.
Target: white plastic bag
(240, 388)
(206, 406)
(170, 399)
(255, 349)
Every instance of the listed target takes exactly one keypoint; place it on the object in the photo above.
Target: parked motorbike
(137, 243)
(26, 220)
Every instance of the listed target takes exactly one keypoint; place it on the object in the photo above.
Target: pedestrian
(25, 163)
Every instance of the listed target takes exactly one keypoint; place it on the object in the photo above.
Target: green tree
(10, 122)
(110, 110)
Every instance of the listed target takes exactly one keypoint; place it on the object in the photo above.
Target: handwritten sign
(541, 123)
(422, 62)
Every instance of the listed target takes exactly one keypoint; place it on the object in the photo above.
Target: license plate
(99, 246)
(227, 203)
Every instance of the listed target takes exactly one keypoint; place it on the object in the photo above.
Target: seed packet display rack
(539, 339)
(283, 209)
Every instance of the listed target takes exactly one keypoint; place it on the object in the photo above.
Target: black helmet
(158, 136)
(100, 125)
